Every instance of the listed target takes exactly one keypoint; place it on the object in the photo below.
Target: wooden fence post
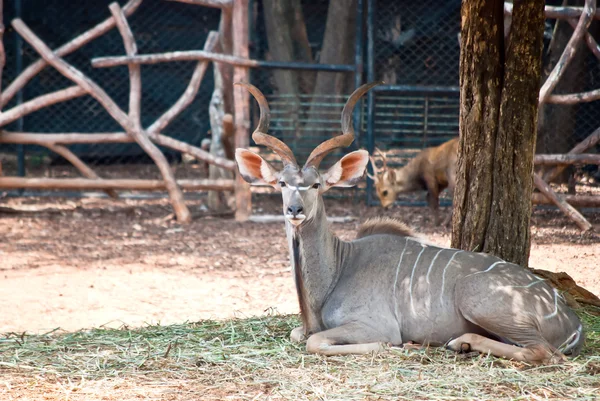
(241, 102)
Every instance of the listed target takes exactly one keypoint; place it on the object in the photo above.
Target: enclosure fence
(413, 47)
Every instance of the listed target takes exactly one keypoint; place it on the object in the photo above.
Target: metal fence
(412, 46)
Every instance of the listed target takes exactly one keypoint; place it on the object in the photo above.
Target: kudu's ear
(254, 169)
(348, 171)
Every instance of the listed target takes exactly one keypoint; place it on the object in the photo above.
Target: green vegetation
(246, 357)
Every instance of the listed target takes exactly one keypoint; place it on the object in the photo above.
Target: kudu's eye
(316, 185)
(281, 184)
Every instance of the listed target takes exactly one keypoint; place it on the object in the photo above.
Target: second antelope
(433, 170)
(387, 287)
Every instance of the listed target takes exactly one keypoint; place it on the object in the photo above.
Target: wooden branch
(190, 92)
(589, 39)
(208, 3)
(2, 52)
(118, 184)
(135, 73)
(136, 130)
(584, 22)
(72, 73)
(40, 102)
(83, 168)
(555, 12)
(241, 102)
(574, 98)
(589, 158)
(32, 70)
(110, 137)
(574, 200)
(29, 138)
(188, 55)
(581, 147)
(567, 209)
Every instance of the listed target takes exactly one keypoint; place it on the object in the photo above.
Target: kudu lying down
(387, 287)
(433, 170)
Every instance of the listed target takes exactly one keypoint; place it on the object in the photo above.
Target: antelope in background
(387, 287)
(433, 170)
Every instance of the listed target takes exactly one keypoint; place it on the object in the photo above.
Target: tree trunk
(498, 117)
(337, 49)
(288, 41)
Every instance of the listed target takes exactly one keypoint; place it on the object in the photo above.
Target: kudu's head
(301, 187)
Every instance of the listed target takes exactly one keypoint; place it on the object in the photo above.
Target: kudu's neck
(317, 256)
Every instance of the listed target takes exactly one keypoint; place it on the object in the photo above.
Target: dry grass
(253, 359)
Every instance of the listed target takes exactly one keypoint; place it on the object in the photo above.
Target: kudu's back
(427, 294)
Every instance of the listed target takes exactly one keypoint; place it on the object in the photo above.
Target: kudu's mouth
(295, 220)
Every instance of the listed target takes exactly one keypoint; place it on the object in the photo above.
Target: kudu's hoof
(458, 345)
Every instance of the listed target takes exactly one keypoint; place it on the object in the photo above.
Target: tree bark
(498, 117)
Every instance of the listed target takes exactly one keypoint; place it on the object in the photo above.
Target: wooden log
(208, 3)
(582, 25)
(188, 55)
(136, 130)
(83, 168)
(118, 184)
(72, 73)
(217, 201)
(581, 147)
(573, 200)
(32, 70)
(589, 39)
(40, 102)
(241, 101)
(574, 98)
(198, 153)
(555, 12)
(567, 209)
(190, 91)
(566, 159)
(30, 138)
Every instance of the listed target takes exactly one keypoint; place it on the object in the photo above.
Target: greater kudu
(387, 287)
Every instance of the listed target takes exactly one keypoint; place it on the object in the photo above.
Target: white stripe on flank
(431, 264)
(410, 287)
(491, 266)
(396, 282)
(551, 315)
(444, 276)
(528, 285)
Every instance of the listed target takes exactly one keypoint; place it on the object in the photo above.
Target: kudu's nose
(295, 210)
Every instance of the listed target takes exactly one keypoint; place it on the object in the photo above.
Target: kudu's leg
(351, 338)
(539, 353)
(297, 335)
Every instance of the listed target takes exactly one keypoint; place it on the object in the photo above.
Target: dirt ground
(91, 262)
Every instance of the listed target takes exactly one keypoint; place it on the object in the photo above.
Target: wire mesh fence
(412, 46)
(158, 26)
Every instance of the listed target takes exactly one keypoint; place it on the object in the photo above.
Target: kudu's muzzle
(294, 210)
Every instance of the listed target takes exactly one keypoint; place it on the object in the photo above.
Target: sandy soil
(91, 262)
